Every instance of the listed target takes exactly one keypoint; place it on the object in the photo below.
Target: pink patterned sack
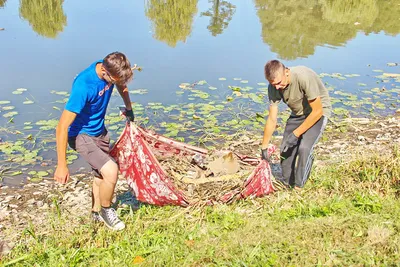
(135, 153)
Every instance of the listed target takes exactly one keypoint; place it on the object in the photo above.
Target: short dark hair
(118, 65)
(272, 68)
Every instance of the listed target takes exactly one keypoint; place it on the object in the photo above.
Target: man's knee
(110, 172)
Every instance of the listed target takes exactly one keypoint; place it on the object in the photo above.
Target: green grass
(346, 215)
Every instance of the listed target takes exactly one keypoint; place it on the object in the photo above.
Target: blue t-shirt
(89, 99)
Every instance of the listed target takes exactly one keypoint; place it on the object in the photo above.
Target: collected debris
(209, 178)
(162, 171)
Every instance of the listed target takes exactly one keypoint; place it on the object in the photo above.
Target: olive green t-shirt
(304, 85)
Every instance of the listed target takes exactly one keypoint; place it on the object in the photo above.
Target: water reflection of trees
(361, 11)
(172, 19)
(46, 17)
(221, 14)
(294, 28)
(2, 3)
(388, 19)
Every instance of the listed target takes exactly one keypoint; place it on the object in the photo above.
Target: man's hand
(264, 154)
(290, 141)
(129, 115)
(61, 174)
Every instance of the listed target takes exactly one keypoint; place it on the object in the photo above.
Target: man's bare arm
(270, 125)
(124, 92)
(315, 115)
(61, 174)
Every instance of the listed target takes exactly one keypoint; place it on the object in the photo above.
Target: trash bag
(135, 152)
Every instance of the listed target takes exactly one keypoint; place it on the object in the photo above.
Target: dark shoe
(96, 216)
(111, 220)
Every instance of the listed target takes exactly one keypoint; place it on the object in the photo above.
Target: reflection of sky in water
(41, 64)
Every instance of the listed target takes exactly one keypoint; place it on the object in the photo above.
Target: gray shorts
(94, 149)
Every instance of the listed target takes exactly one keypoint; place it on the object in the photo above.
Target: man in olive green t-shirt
(305, 94)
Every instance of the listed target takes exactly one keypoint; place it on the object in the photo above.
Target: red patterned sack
(135, 153)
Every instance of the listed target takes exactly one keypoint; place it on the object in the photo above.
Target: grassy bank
(346, 215)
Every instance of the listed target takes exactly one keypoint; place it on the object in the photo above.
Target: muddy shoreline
(36, 202)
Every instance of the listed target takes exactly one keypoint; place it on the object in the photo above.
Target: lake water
(45, 43)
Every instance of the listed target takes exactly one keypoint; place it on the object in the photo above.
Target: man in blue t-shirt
(82, 126)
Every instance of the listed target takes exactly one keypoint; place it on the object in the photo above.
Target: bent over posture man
(305, 94)
(82, 125)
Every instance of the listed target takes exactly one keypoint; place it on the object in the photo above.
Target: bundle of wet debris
(209, 177)
(206, 177)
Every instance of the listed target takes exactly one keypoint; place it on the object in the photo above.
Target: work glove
(290, 141)
(129, 115)
(265, 155)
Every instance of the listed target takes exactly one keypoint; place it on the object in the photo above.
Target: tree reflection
(172, 19)
(46, 17)
(221, 13)
(350, 12)
(2, 3)
(388, 19)
(295, 28)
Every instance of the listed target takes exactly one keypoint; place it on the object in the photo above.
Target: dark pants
(297, 161)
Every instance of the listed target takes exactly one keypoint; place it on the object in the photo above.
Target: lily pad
(185, 85)
(352, 75)
(391, 75)
(4, 102)
(139, 91)
(235, 88)
(10, 114)
(155, 105)
(222, 79)
(379, 105)
(36, 179)
(59, 92)
(72, 157)
(42, 173)
(27, 102)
